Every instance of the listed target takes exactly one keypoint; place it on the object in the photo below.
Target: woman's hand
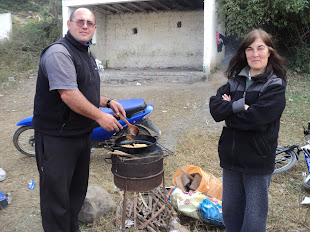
(226, 97)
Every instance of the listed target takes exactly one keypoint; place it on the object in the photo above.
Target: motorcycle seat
(131, 106)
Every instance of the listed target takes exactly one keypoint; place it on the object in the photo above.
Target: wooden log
(186, 173)
(196, 182)
(179, 183)
(185, 180)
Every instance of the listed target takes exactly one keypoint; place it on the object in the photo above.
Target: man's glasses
(80, 23)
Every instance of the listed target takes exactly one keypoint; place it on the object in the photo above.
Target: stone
(11, 79)
(98, 202)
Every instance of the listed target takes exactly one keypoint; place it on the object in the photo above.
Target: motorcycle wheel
(23, 140)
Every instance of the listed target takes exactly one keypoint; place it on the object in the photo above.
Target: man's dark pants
(63, 165)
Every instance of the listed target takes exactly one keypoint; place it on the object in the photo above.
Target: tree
(287, 20)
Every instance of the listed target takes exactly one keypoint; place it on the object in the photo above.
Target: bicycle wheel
(284, 161)
(23, 140)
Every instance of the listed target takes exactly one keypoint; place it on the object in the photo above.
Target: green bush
(22, 52)
(33, 37)
(287, 21)
(18, 5)
(301, 58)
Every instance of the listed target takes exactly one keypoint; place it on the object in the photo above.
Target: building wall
(158, 41)
(5, 25)
(151, 40)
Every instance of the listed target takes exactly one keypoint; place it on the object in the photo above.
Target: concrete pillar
(65, 16)
(209, 21)
(5, 26)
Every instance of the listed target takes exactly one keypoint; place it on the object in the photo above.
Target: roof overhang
(122, 7)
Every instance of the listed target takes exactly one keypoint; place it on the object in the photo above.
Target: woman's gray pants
(245, 201)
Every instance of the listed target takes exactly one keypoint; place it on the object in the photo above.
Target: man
(65, 110)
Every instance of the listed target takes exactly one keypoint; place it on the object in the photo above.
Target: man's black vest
(51, 115)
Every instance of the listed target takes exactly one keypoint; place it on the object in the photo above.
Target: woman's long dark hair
(276, 63)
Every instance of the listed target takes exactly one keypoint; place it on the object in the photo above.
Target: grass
(296, 113)
(286, 190)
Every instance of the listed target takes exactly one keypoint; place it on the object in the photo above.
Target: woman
(251, 103)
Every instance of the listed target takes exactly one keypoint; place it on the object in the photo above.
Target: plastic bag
(209, 184)
(187, 202)
(211, 211)
(197, 205)
(2, 174)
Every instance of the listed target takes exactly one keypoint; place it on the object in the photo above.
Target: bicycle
(286, 157)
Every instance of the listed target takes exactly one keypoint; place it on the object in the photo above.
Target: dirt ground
(181, 112)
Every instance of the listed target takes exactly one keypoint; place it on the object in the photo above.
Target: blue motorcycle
(136, 112)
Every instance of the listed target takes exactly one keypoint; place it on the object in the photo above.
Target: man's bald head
(79, 9)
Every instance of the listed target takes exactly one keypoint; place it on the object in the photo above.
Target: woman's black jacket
(249, 138)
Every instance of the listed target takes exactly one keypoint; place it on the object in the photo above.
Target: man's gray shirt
(58, 66)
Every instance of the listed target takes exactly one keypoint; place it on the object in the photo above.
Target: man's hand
(117, 108)
(77, 102)
(109, 122)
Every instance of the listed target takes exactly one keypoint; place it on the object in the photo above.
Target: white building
(153, 33)
(5, 26)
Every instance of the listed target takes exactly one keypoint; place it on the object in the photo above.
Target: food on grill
(135, 145)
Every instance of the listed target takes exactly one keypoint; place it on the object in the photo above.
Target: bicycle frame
(286, 157)
(306, 150)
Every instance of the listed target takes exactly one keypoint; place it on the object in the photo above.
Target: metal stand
(124, 209)
(145, 224)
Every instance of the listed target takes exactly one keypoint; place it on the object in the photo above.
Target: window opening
(135, 30)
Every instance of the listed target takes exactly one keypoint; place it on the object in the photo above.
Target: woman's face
(257, 55)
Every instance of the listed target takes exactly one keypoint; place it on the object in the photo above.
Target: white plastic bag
(2, 174)
(198, 205)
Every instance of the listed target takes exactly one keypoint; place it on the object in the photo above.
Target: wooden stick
(154, 205)
(135, 210)
(121, 153)
(150, 200)
(152, 218)
(145, 221)
(143, 201)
